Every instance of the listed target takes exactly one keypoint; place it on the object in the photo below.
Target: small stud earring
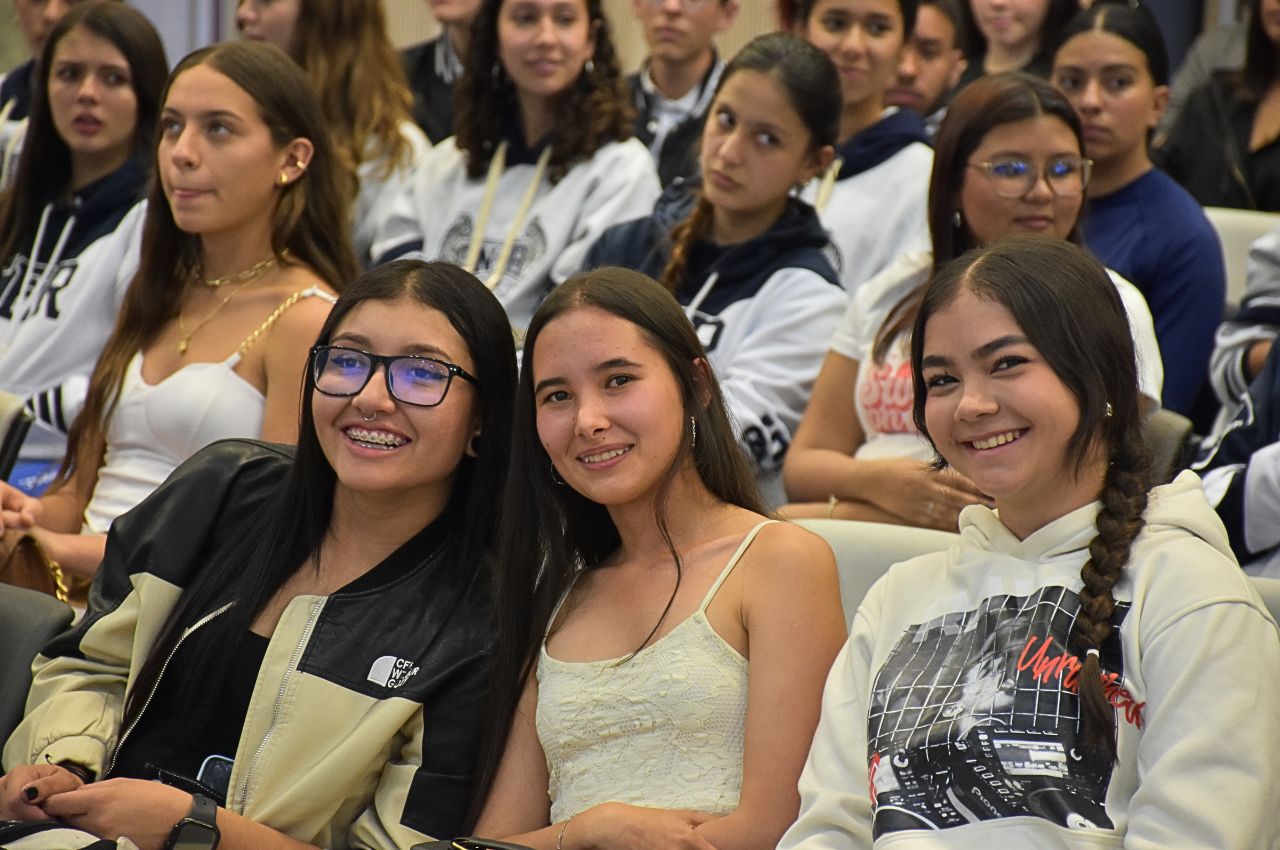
(284, 179)
(956, 220)
(589, 67)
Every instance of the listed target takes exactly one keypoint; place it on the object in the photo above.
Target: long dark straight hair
(44, 169)
(310, 223)
(592, 113)
(1261, 59)
(257, 561)
(551, 531)
(1070, 311)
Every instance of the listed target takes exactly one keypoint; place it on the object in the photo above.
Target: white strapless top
(155, 427)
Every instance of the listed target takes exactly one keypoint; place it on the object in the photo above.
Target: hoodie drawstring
(496, 166)
(28, 294)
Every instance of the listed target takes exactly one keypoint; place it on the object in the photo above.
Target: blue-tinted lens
(1012, 169)
(418, 380)
(341, 371)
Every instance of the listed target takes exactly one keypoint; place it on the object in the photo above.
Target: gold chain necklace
(244, 278)
(255, 271)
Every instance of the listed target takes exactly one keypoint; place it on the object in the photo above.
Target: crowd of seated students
(509, 563)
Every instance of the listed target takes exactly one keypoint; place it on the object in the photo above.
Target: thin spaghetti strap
(293, 298)
(733, 562)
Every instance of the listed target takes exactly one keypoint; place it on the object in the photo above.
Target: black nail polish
(30, 793)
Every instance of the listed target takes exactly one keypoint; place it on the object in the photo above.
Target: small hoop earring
(956, 220)
(693, 433)
(1110, 412)
(555, 476)
(589, 67)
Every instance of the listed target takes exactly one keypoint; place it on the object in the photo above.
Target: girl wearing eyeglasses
(296, 642)
(1084, 662)
(1112, 66)
(543, 160)
(1009, 160)
(243, 246)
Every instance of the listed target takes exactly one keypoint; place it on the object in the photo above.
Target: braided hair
(812, 86)
(1070, 311)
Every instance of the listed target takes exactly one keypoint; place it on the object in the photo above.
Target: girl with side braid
(1081, 667)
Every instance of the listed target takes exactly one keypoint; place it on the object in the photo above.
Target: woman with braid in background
(746, 259)
(1087, 659)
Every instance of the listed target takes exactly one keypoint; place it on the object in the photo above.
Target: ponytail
(693, 228)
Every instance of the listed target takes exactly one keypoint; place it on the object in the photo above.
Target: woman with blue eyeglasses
(295, 643)
(1009, 159)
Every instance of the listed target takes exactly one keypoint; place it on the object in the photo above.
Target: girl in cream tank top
(663, 728)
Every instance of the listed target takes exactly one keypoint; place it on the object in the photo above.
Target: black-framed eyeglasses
(1014, 176)
(411, 378)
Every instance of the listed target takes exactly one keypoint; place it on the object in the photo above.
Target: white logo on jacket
(392, 672)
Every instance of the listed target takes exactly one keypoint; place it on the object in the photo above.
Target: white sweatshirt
(949, 718)
(438, 217)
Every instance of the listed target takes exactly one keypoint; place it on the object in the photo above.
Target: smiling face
(378, 445)
(272, 21)
(92, 103)
(1013, 25)
(544, 44)
(1107, 80)
(930, 66)
(755, 147)
(216, 159)
(609, 410)
(1040, 141)
(864, 39)
(1000, 415)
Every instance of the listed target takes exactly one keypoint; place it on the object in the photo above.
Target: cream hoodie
(949, 719)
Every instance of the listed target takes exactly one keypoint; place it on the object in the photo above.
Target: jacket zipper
(275, 711)
(203, 621)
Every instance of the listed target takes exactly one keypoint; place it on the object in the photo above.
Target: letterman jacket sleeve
(622, 186)
(772, 350)
(1257, 320)
(76, 702)
(835, 805)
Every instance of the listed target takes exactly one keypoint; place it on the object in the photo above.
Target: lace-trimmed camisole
(664, 729)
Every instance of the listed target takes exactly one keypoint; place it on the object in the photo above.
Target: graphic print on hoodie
(975, 716)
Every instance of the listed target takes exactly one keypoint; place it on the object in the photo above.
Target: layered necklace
(241, 279)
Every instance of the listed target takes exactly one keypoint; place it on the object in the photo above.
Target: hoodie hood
(868, 148)
(1179, 506)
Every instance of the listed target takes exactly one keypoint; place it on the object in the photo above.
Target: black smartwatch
(199, 829)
